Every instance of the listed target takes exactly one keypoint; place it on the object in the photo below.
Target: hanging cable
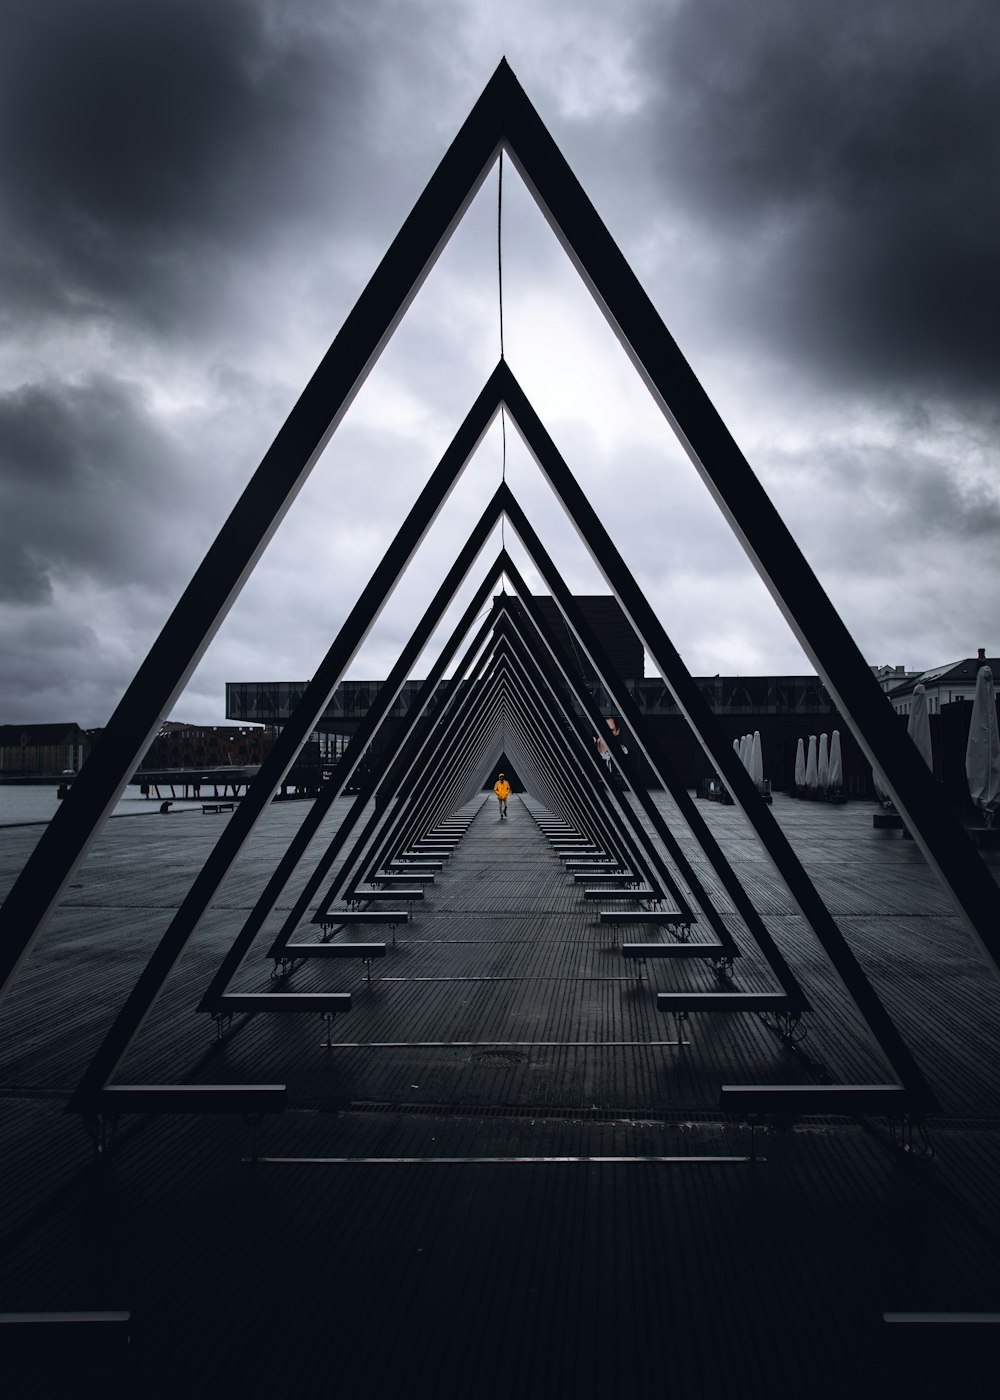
(500, 246)
(503, 478)
(503, 418)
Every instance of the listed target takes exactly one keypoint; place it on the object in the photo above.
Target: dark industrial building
(783, 708)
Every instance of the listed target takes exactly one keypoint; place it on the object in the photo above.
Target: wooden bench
(987, 838)
(365, 951)
(217, 807)
(325, 1003)
(63, 1339)
(193, 1098)
(605, 893)
(358, 896)
(668, 917)
(392, 878)
(346, 917)
(674, 950)
(685, 1002)
(748, 1099)
(715, 952)
(362, 916)
(611, 877)
(417, 860)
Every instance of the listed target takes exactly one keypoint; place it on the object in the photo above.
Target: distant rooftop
(954, 674)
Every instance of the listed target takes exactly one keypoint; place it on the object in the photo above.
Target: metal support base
(284, 967)
(223, 1020)
(252, 1120)
(101, 1129)
(786, 1025)
(327, 1016)
(908, 1135)
(723, 967)
(682, 932)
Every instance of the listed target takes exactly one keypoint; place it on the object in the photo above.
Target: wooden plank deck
(502, 1025)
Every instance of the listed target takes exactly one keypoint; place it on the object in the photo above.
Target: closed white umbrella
(881, 791)
(812, 773)
(736, 747)
(982, 753)
(823, 763)
(836, 762)
(743, 750)
(918, 726)
(800, 764)
(757, 762)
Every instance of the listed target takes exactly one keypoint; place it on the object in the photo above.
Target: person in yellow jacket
(502, 789)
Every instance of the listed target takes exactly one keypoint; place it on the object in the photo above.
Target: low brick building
(181, 745)
(42, 749)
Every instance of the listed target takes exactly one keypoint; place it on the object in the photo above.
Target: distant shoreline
(35, 779)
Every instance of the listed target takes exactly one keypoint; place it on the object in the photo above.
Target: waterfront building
(889, 677)
(42, 749)
(956, 680)
(180, 745)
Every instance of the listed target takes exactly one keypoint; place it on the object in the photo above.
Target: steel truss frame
(503, 118)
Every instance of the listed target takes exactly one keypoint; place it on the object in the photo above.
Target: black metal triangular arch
(535, 550)
(502, 117)
(502, 382)
(702, 721)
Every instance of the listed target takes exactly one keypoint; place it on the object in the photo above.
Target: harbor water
(20, 803)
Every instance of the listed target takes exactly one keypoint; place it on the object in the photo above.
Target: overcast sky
(194, 195)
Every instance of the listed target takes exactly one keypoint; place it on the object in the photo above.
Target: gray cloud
(134, 138)
(194, 195)
(84, 477)
(845, 156)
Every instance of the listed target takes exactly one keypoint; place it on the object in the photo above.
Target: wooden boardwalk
(503, 1025)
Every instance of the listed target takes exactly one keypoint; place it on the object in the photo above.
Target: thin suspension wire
(500, 246)
(503, 418)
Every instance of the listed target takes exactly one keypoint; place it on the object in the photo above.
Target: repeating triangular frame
(503, 117)
(395, 837)
(502, 385)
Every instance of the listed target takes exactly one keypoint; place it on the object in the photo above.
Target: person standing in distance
(502, 789)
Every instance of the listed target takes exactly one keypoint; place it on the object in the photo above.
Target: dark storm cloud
(86, 479)
(847, 155)
(138, 141)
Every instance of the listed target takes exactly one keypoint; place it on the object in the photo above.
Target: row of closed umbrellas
(820, 767)
(982, 753)
(751, 756)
